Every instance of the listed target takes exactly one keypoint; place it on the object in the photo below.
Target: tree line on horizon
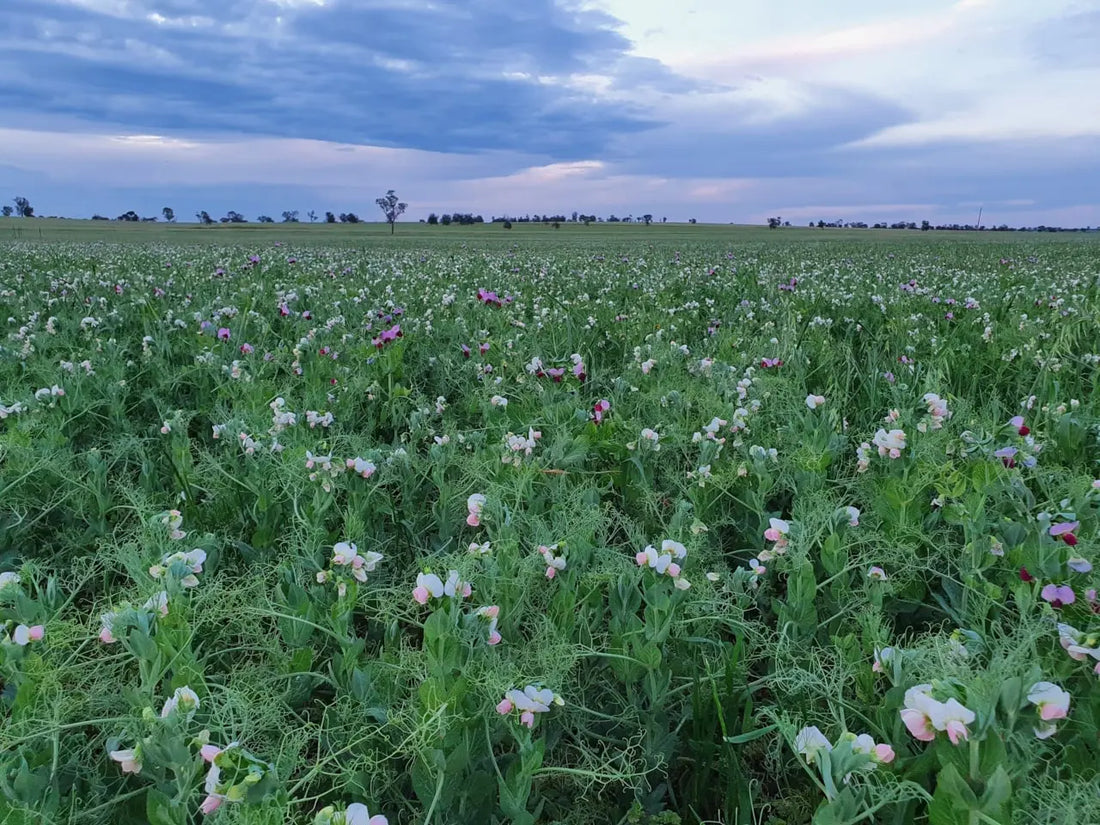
(392, 208)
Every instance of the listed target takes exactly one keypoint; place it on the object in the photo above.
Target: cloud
(452, 75)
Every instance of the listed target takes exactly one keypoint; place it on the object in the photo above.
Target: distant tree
(6, 211)
(774, 223)
(612, 219)
(349, 217)
(573, 217)
(925, 226)
(265, 219)
(507, 224)
(556, 224)
(97, 217)
(290, 216)
(169, 214)
(311, 215)
(391, 208)
(23, 208)
(233, 217)
(664, 220)
(130, 216)
(433, 219)
(692, 220)
(330, 217)
(203, 217)
(445, 220)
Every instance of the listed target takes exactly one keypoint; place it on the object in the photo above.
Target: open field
(406, 232)
(608, 524)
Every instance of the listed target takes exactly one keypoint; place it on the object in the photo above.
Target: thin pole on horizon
(980, 216)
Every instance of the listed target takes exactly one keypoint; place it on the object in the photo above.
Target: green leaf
(742, 738)
(159, 809)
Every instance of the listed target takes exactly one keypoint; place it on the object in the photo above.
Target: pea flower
(1064, 531)
(814, 401)
(1050, 700)
(184, 701)
(882, 657)
(475, 504)
(528, 702)
(599, 410)
(499, 401)
(809, 742)
(361, 466)
(174, 520)
(1058, 595)
(554, 559)
(665, 561)
(876, 574)
(1079, 645)
(491, 613)
(24, 635)
(937, 411)
(430, 586)
(881, 753)
(183, 566)
(129, 760)
(890, 443)
(647, 366)
(651, 436)
(355, 814)
(777, 531)
(223, 334)
(863, 457)
(924, 716)
(1017, 423)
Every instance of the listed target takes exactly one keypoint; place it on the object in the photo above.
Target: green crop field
(597, 525)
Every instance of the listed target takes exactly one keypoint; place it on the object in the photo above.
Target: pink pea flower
(1051, 701)
(1058, 595)
(223, 334)
(1064, 531)
(247, 349)
(211, 804)
(527, 718)
(556, 373)
(876, 574)
(474, 505)
(505, 707)
(128, 760)
(24, 635)
(600, 409)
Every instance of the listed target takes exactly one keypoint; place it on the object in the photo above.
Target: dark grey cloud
(464, 75)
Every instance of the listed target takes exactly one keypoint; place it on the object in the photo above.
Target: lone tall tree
(23, 208)
(169, 214)
(391, 208)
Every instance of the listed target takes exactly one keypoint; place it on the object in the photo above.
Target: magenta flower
(1064, 531)
(1058, 595)
(600, 409)
(465, 351)
(556, 373)
(223, 334)
(1017, 423)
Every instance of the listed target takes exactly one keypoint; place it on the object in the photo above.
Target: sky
(719, 110)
